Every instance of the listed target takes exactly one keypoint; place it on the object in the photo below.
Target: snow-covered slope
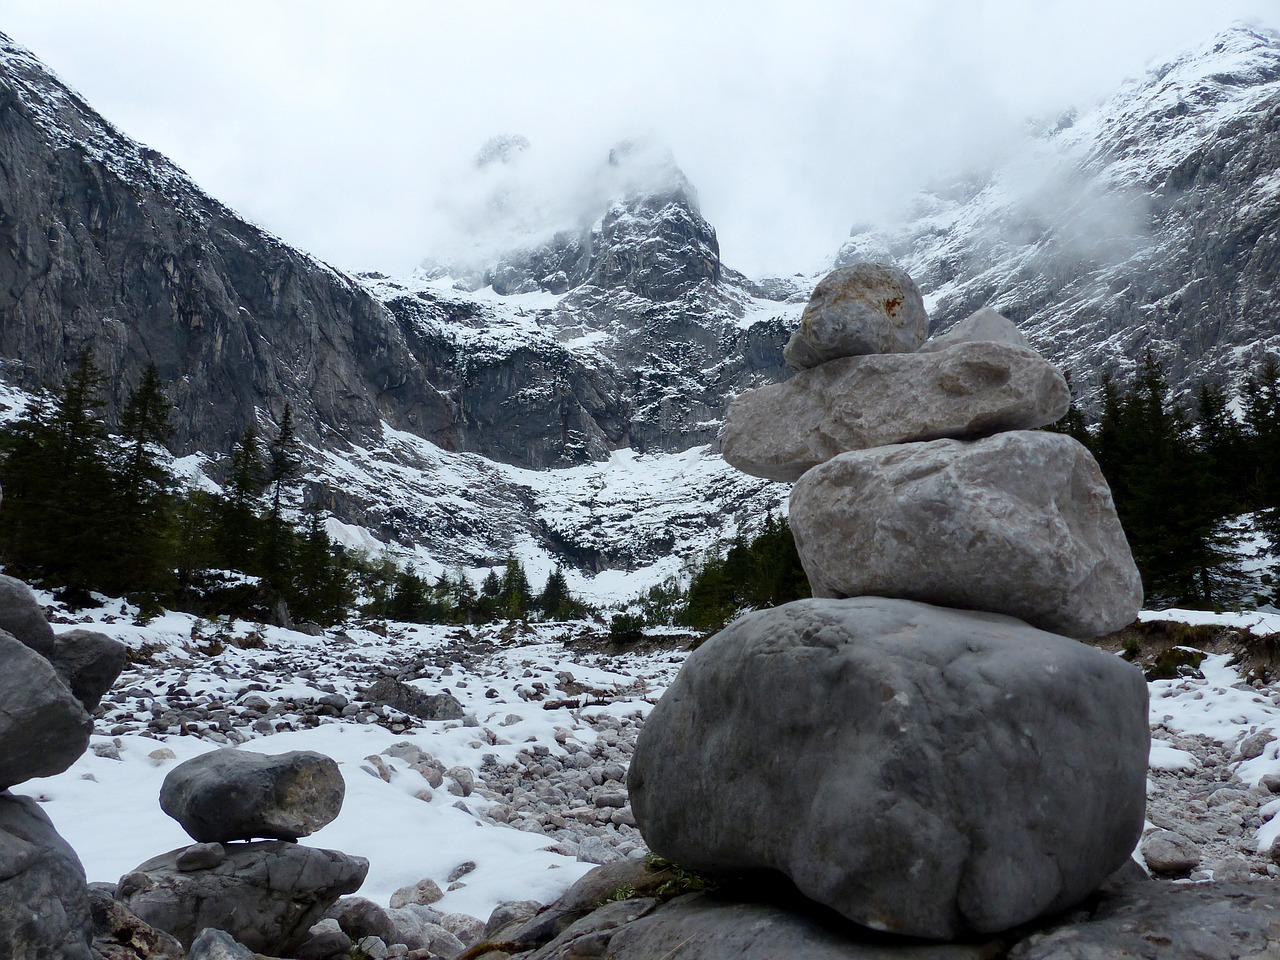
(1149, 222)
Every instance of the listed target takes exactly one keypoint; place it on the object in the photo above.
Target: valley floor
(552, 717)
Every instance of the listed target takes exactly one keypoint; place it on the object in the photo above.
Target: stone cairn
(920, 747)
(246, 875)
(49, 687)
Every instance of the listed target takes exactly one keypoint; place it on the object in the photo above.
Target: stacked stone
(902, 747)
(49, 686)
(245, 874)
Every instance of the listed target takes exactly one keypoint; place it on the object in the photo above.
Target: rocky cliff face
(106, 245)
(1149, 223)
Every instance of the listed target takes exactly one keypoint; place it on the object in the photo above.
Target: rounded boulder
(920, 770)
(234, 794)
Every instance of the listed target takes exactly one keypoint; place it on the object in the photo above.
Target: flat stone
(859, 309)
(44, 902)
(1020, 523)
(409, 699)
(232, 794)
(43, 728)
(1169, 921)
(984, 325)
(922, 771)
(967, 391)
(267, 895)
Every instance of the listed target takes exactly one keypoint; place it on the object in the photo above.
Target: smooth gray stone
(970, 390)
(118, 933)
(982, 325)
(1169, 921)
(1019, 523)
(267, 895)
(409, 699)
(43, 727)
(22, 616)
(920, 770)
(213, 944)
(89, 662)
(232, 794)
(863, 308)
(1170, 854)
(360, 917)
(703, 926)
(44, 902)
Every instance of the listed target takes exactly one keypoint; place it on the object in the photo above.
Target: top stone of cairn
(859, 309)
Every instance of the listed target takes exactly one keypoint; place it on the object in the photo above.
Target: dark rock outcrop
(43, 727)
(89, 663)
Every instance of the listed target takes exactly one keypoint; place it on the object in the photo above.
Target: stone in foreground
(22, 616)
(43, 727)
(44, 902)
(1019, 523)
(234, 794)
(864, 308)
(88, 663)
(967, 391)
(922, 771)
(267, 895)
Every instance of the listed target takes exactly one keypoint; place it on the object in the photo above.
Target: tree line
(85, 509)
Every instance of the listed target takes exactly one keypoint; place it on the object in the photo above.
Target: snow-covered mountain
(1151, 221)
(556, 389)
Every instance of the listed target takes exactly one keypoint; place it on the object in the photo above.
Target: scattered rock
(1169, 854)
(229, 794)
(886, 700)
(425, 892)
(461, 870)
(463, 781)
(409, 699)
(201, 856)
(864, 308)
(44, 903)
(211, 944)
(1019, 523)
(266, 894)
(1255, 745)
(360, 918)
(43, 727)
(325, 940)
(967, 391)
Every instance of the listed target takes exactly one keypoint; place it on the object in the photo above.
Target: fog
(352, 130)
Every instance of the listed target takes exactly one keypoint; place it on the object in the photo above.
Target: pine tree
(513, 595)
(246, 478)
(143, 509)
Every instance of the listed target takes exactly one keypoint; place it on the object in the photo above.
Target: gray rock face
(1019, 523)
(893, 759)
(44, 904)
(409, 699)
(1172, 921)
(43, 728)
(985, 325)
(89, 663)
(864, 308)
(234, 794)
(267, 895)
(966, 391)
(22, 617)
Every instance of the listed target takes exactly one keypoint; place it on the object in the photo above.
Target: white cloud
(344, 127)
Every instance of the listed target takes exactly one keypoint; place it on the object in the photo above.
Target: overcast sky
(348, 128)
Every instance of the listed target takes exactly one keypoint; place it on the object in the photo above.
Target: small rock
(161, 756)
(1169, 854)
(325, 940)
(201, 856)
(1255, 745)
(213, 944)
(461, 870)
(426, 891)
(463, 781)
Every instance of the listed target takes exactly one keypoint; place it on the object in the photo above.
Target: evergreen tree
(1260, 398)
(246, 479)
(143, 503)
(514, 593)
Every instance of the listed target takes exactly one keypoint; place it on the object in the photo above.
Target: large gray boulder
(89, 662)
(267, 895)
(1019, 523)
(44, 902)
(22, 616)
(970, 390)
(864, 308)
(922, 771)
(43, 727)
(232, 794)
(409, 699)
(118, 933)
